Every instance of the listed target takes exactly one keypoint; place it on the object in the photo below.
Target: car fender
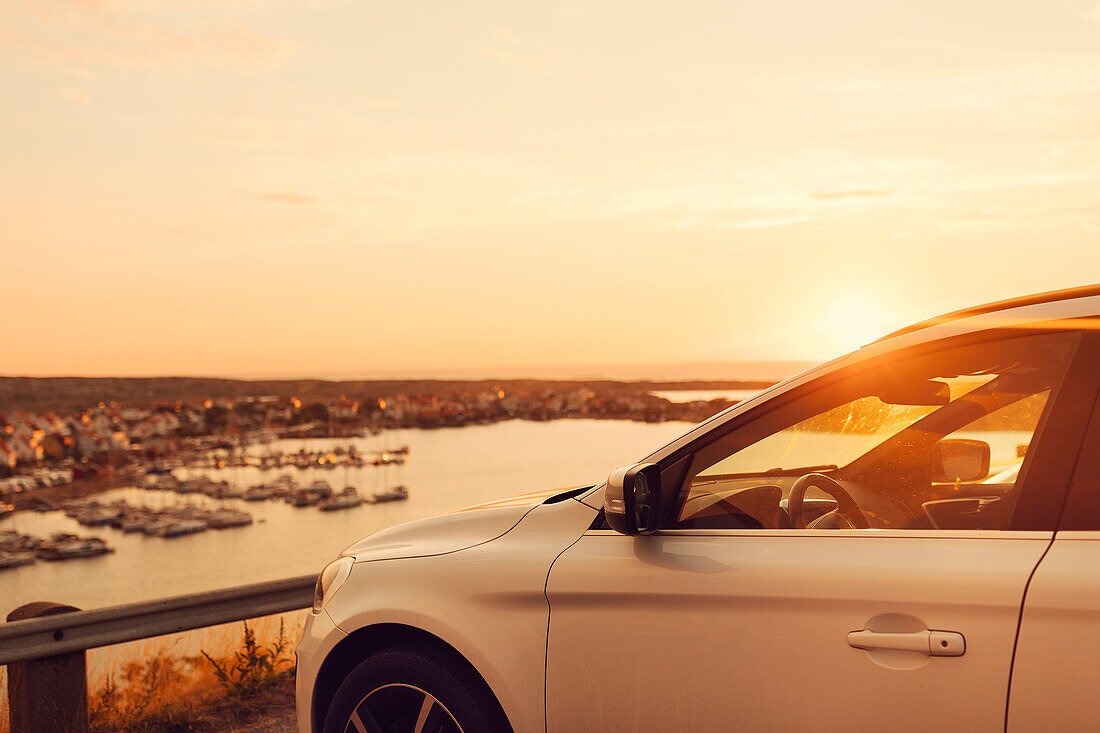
(488, 602)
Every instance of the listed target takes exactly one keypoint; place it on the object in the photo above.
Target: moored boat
(225, 518)
(348, 499)
(259, 493)
(67, 546)
(15, 559)
(304, 499)
(397, 493)
(183, 526)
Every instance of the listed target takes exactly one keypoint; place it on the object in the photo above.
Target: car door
(1056, 671)
(729, 618)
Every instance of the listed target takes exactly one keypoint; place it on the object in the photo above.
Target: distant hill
(701, 371)
(67, 393)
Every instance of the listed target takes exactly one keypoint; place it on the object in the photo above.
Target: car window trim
(1046, 474)
(1080, 512)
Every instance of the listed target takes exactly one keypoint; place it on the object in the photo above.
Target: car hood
(459, 530)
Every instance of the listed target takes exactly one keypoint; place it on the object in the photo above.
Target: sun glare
(852, 321)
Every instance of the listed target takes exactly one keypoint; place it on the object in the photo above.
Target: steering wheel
(849, 511)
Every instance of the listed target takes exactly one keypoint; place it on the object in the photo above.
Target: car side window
(934, 441)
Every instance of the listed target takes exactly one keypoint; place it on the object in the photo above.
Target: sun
(852, 320)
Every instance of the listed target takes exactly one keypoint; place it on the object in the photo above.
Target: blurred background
(321, 253)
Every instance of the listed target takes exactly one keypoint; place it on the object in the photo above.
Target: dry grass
(187, 703)
(198, 693)
(239, 681)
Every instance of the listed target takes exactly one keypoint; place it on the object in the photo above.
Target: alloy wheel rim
(400, 708)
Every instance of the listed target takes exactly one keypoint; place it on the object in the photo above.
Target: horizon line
(567, 372)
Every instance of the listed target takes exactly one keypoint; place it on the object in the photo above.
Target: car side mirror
(632, 499)
(960, 460)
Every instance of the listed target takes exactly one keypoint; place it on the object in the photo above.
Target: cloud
(507, 48)
(686, 222)
(866, 193)
(379, 103)
(1019, 218)
(80, 73)
(503, 35)
(1032, 87)
(778, 221)
(76, 96)
(286, 197)
(94, 4)
(246, 132)
(88, 33)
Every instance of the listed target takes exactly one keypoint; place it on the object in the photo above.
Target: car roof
(1050, 296)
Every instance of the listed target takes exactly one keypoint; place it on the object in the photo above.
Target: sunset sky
(254, 187)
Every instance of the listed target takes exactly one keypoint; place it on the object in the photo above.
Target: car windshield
(840, 435)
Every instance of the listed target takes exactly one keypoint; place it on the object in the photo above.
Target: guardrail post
(48, 695)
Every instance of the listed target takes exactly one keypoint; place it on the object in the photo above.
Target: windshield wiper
(799, 471)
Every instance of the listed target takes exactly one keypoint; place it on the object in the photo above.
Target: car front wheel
(412, 691)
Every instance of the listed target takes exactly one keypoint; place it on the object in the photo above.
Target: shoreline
(62, 393)
(77, 489)
(130, 475)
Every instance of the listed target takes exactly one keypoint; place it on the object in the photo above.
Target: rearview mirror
(632, 499)
(960, 460)
(926, 392)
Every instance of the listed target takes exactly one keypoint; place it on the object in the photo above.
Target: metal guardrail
(72, 632)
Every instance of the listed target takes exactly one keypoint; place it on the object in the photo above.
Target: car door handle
(932, 643)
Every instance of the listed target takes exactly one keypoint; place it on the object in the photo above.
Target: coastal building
(88, 443)
(7, 455)
(344, 409)
(56, 424)
(27, 449)
(133, 414)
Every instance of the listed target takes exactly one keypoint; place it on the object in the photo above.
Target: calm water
(447, 469)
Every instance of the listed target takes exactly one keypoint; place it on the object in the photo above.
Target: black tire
(390, 690)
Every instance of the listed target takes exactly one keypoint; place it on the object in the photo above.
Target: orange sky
(247, 187)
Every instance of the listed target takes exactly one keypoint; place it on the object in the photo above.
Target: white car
(853, 548)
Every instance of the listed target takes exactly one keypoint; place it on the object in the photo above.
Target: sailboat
(396, 493)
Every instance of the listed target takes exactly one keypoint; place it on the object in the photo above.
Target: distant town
(99, 444)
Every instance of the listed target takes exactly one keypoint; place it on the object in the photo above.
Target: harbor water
(446, 470)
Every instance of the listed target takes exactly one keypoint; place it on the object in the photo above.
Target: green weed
(253, 668)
